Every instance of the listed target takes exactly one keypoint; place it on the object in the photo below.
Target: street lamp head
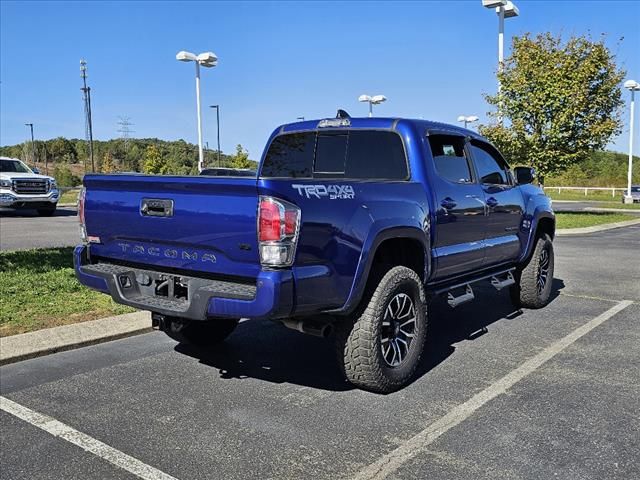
(378, 99)
(184, 56)
(510, 10)
(493, 3)
(468, 119)
(207, 59)
(632, 85)
(364, 98)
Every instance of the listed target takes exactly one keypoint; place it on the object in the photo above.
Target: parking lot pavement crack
(392, 461)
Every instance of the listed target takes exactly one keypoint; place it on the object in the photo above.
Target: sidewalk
(57, 339)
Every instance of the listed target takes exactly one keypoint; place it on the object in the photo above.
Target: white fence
(586, 190)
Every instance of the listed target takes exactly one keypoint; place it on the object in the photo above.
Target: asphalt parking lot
(552, 393)
(23, 229)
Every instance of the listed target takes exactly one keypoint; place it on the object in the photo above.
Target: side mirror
(35, 170)
(524, 175)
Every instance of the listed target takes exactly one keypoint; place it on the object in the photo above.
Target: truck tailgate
(199, 224)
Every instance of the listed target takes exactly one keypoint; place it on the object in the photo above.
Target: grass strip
(70, 196)
(38, 289)
(589, 219)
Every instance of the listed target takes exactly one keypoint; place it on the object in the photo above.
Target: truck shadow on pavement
(268, 351)
(60, 212)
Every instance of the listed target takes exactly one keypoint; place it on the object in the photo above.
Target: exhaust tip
(310, 327)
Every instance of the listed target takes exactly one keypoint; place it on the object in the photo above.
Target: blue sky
(277, 61)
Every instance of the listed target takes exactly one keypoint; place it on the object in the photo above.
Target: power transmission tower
(125, 131)
(88, 126)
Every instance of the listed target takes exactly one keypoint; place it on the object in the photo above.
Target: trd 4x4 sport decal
(333, 192)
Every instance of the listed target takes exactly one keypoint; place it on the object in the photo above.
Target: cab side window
(492, 169)
(450, 158)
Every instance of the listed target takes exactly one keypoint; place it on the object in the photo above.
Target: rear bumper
(270, 297)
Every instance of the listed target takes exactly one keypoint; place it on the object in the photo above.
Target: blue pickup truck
(346, 231)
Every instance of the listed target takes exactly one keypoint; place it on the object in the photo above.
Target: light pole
(634, 87)
(375, 100)
(33, 148)
(300, 118)
(504, 9)
(217, 107)
(208, 60)
(466, 120)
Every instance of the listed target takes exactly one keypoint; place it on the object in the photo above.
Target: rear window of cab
(353, 154)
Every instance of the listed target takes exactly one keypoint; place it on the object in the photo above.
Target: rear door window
(450, 158)
(290, 156)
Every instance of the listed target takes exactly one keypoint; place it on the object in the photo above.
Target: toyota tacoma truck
(349, 227)
(22, 188)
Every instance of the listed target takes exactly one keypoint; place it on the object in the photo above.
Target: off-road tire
(525, 293)
(46, 212)
(358, 338)
(200, 333)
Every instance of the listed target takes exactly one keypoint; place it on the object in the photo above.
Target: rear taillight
(278, 226)
(83, 230)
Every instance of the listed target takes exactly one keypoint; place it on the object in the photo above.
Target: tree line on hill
(67, 157)
(70, 157)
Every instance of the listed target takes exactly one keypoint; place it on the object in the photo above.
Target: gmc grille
(31, 186)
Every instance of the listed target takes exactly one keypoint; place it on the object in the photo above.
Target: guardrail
(587, 189)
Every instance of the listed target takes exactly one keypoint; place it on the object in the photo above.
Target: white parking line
(393, 460)
(84, 441)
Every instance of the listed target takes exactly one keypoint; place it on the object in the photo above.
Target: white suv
(23, 188)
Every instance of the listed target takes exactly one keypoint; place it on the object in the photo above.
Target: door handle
(448, 203)
(492, 202)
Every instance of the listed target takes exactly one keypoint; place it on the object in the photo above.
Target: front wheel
(381, 348)
(533, 281)
(200, 333)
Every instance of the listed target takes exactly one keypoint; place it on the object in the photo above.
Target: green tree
(153, 161)
(560, 101)
(65, 178)
(241, 158)
(107, 165)
(62, 150)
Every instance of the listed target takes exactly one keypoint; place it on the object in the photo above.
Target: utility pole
(33, 145)
(217, 107)
(87, 112)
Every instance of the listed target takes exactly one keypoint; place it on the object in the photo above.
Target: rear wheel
(380, 349)
(199, 333)
(534, 280)
(47, 211)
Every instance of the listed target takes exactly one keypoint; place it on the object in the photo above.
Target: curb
(597, 228)
(632, 211)
(16, 348)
